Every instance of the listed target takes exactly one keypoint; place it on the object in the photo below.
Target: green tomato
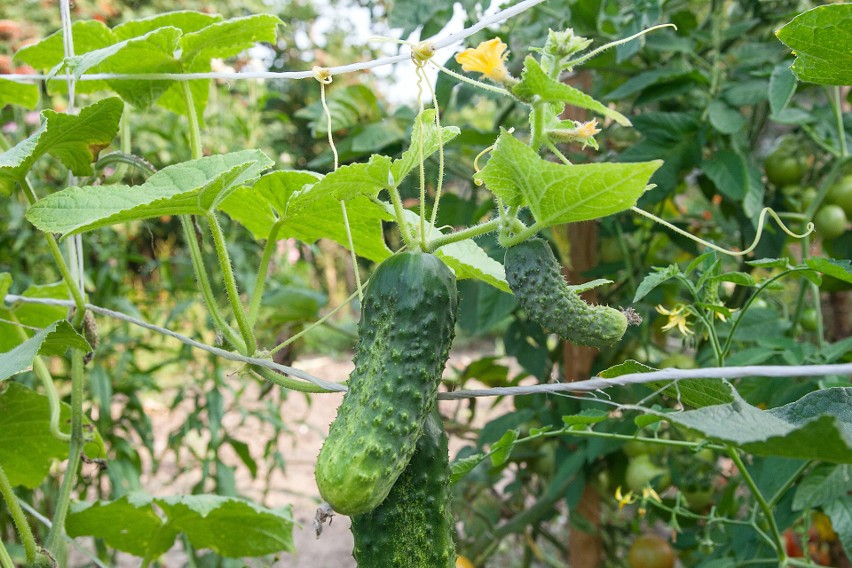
(809, 320)
(641, 471)
(698, 499)
(830, 221)
(651, 551)
(841, 194)
(783, 168)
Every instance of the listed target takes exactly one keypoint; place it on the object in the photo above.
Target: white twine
(590, 385)
(339, 70)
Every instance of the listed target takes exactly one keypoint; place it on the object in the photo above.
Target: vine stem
(262, 271)
(75, 452)
(464, 234)
(399, 213)
(5, 559)
(192, 239)
(204, 286)
(474, 82)
(231, 283)
(440, 186)
(761, 502)
(838, 118)
(18, 517)
(56, 253)
(421, 167)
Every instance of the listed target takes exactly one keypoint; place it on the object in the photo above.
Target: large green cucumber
(413, 526)
(535, 276)
(407, 325)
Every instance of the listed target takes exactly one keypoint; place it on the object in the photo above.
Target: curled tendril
(323, 75)
(761, 221)
(422, 52)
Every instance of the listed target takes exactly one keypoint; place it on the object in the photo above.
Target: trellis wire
(339, 70)
(590, 385)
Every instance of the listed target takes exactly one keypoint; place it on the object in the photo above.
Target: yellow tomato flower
(487, 58)
(623, 499)
(677, 318)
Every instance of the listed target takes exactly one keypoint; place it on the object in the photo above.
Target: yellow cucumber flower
(487, 58)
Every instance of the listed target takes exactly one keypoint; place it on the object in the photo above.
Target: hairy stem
(56, 253)
(75, 451)
(231, 283)
(204, 286)
(470, 232)
(18, 517)
(263, 270)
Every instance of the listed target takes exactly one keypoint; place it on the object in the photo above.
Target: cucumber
(406, 328)
(413, 526)
(535, 276)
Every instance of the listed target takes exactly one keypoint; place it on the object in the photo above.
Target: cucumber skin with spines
(535, 276)
(406, 328)
(413, 526)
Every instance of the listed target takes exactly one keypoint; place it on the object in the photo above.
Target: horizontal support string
(590, 385)
(447, 41)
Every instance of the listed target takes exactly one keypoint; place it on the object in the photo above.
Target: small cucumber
(535, 276)
(406, 328)
(413, 527)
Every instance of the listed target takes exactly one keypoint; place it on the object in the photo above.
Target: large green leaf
(424, 125)
(189, 188)
(147, 527)
(49, 53)
(227, 39)
(27, 448)
(75, 140)
(308, 213)
(536, 83)
(153, 52)
(557, 193)
(15, 93)
(821, 38)
(357, 179)
(817, 426)
(696, 393)
(185, 20)
(52, 340)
